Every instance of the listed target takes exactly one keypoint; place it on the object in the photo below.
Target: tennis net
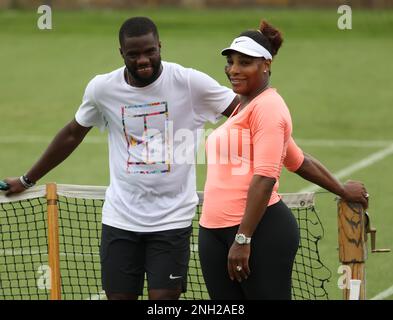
(24, 259)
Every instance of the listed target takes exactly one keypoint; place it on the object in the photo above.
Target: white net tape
(292, 200)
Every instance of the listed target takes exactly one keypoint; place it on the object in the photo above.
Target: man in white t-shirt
(151, 109)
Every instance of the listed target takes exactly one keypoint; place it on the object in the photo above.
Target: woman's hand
(355, 191)
(238, 256)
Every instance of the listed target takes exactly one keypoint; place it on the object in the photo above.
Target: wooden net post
(352, 243)
(53, 241)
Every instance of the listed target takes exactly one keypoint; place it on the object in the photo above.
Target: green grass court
(337, 84)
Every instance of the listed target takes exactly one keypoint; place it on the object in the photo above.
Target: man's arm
(64, 143)
(314, 171)
(228, 111)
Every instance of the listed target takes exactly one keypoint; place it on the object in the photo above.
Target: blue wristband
(4, 186)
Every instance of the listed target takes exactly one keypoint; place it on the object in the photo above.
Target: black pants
(273, 249)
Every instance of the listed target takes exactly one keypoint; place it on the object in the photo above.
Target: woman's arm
(315, 172)
(258, 198)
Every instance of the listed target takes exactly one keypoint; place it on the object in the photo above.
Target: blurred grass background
(337, 84)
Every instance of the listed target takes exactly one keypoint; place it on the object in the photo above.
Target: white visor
(248, 47)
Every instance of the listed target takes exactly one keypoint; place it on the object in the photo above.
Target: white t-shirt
(152, 137)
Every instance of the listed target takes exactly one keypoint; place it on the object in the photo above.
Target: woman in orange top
(245, 228)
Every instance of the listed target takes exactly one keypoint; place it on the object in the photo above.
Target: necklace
(243, 104)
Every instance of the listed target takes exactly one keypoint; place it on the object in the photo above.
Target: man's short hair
(137, 26)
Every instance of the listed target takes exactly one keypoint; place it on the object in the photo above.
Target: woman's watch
(241, 238)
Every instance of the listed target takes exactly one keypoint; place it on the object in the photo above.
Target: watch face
(240, 238)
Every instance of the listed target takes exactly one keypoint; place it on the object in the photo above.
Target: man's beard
(142, 80)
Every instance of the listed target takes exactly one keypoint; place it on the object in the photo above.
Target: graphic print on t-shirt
(145, 128)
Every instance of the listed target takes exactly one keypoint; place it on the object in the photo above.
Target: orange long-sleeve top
(257, 140)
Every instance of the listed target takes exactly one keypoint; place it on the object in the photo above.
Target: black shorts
(126, 256)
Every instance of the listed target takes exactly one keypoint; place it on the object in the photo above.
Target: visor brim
(247, 52)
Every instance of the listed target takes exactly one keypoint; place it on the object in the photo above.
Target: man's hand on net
(14, 186)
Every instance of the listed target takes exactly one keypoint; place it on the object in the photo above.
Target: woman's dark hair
(137, 26)
(267, 36)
